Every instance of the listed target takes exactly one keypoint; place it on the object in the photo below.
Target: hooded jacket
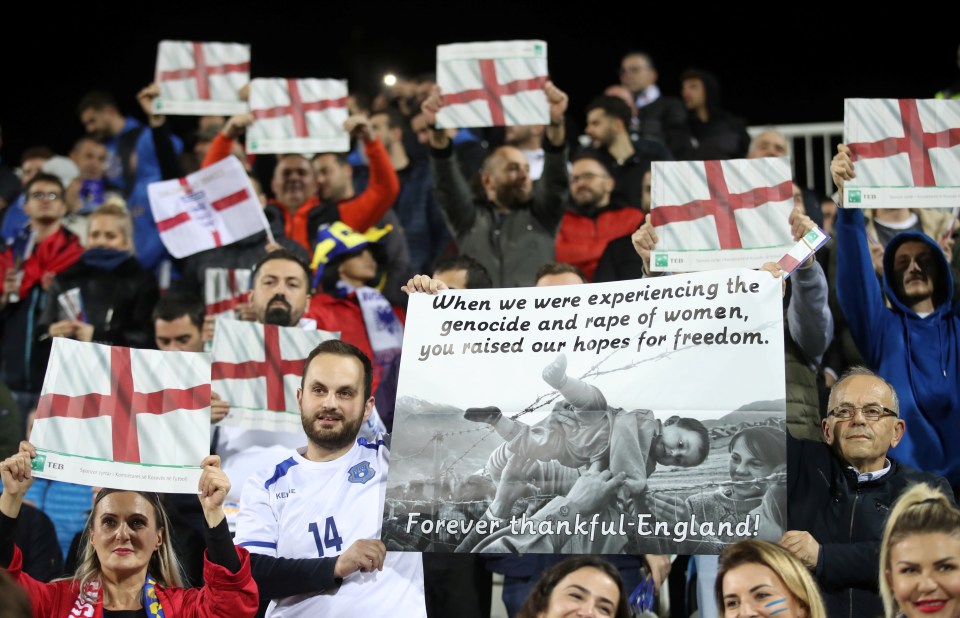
(917, 355)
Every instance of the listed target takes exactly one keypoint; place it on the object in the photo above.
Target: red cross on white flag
(224, 289)
(493, 84)
(906, 153)
(103, 410)
(298, 115)
(199, 79)
(209, 208)
(720, 214)
(257, 368)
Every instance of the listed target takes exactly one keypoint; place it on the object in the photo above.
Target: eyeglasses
(44, 196)
(870, 412)
(588, 176)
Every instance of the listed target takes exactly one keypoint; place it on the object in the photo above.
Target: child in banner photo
(582, 431)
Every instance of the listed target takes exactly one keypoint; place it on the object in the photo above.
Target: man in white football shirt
(312, 522)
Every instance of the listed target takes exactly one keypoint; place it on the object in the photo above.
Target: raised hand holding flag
(124, 418)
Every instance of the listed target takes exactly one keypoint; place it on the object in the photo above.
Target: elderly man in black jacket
(839, 493)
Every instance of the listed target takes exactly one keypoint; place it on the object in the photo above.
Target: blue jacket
(918, 356)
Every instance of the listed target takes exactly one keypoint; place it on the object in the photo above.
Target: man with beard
(281, 289)
(608, 125)
(593, 218)
(280, 294)
(312, 522)
(511, 229)
(529, 139)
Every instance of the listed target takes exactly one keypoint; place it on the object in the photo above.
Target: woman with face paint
(757, 578)
(920, 556)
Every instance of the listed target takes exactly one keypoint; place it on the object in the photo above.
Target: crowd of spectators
(82, 258)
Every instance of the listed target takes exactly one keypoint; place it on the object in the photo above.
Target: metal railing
(812, 147)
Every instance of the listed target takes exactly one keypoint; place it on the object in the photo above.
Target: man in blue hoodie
(915, 343)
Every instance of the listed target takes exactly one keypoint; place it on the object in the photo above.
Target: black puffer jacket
(118, 303)
(847, 519)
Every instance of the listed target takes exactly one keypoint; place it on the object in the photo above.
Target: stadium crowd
(872, 350)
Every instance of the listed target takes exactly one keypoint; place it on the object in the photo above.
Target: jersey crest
(361, 473)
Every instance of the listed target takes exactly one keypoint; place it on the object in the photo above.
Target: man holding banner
(297, 517)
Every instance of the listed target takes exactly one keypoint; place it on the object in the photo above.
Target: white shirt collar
(864, 477)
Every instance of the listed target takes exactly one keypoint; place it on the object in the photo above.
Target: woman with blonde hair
(128, 567)
(920, 556)
(106, 296)
(757, 578)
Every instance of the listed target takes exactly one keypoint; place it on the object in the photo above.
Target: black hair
(615, 107)
(175, 305)
(590, 155)
(342, 348)
(37, 152)
(560, 268)
(477, 276)
(394, 118)
(700, 429)
(281, 254)
(98, 100)
(44, 177)
(538, 601)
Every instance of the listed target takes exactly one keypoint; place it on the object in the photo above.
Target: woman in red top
(128, 568)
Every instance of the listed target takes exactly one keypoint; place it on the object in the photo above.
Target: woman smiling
(757, 578)
(128, 568)
(920, 556)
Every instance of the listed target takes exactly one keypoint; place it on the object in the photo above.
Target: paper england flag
(224, 289)
(210, 208)
(720, 214)
(200, 79)
(298, 115)
(492, 84)
(124, 418)
(257, 368)
(906, 153)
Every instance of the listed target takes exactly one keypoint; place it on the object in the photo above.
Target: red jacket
(225, 595)
(584, 235)
(344, 315)
(359, 212)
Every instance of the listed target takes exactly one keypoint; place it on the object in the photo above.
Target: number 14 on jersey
(331, 539)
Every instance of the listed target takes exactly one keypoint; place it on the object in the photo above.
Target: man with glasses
(839, 493)
(41, 250)
(592, 219)
(915, 342)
